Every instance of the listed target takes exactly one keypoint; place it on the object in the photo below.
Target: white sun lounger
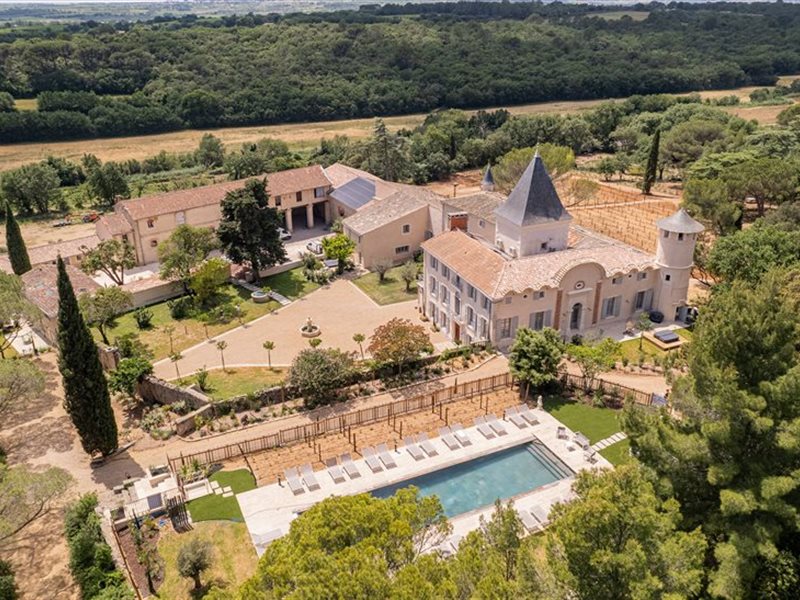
(541, 514)
(308, 477)
(293, 480)
(425, 444)
(448, 439)
(527, 414)
(413, 449)
(349, 466)
(484, 428)
(529, 521)
(386, 458)
(371, 459)
(498, 427)
(581, 440)
(516, 418)
(461, 435)
(334, 470)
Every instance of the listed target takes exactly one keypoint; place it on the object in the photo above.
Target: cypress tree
(17, 252)
(85, 388)
(652, 163)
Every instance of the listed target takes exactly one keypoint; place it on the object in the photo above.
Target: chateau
(540, 270)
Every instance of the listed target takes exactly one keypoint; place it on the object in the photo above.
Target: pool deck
(269, 510)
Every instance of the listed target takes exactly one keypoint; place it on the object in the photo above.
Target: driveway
(339, 309)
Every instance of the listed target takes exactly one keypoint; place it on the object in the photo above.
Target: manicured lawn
(240, 380)
(234, 558)
(216, 508)
(630, 348)
(191, 330)
(594, 423)
(291, 284)
(617, 454)
(392, 289)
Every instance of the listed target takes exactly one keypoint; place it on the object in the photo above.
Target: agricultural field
(302, 136)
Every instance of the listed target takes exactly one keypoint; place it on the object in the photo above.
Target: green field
(216, 508)
(240, 381)
(392, 289)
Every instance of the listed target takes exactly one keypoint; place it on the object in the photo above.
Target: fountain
(310, 329)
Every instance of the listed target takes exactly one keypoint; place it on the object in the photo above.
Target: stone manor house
(539, 270)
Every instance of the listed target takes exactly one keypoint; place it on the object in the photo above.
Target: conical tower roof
(680, 222)
(534, 199)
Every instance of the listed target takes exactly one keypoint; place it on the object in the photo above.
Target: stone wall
(154, 390)
(109, 357)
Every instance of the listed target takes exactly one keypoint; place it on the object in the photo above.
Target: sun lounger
(308, 477)
(516, 418)
(371, 459)
(484, 428)
(349, 466)
(461, 435)
(581, 440)
(527, 414)
(561, 432)
(498, 427)
(386, 458)
(413, 449)
(448, 439)
(590, 456)
(541, 514)
(529, 521)
(425, 444)
(293, 480)
(334, 470)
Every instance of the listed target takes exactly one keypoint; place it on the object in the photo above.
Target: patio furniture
(527, 414)
(561, 432)
(516, 418)
(448, 439)
(371, 459)
(308, 477)
(496, 425)
(386, 458)
(293, 480)
(349, 466)
(581, 440)
(590, 456)
(484, 428)
(541, 514)
(461, 435)
(425, 444)
(529, 521)
(413, 449)
(334, 470)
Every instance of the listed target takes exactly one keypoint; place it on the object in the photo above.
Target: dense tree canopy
(397, 60)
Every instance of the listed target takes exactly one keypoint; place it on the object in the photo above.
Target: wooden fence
(576, 382)
(341, 423)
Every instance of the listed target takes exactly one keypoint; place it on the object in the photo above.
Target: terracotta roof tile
(115, 224)
(40, 286)
(295, 180)
(497, 275)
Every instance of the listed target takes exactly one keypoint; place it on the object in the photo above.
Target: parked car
(283, 234)
(314, 246)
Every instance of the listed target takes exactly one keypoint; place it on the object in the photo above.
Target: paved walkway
(613, 439)
(339, 309)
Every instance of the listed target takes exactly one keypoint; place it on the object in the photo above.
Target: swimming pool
(479, 482)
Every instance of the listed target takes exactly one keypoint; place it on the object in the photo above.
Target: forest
(102, 79)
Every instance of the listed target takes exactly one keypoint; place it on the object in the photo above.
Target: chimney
(458, 221)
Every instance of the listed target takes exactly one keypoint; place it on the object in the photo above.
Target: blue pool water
(479, 482)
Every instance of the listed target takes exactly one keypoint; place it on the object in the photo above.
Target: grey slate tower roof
(488, 177)
(679, 222)
(534, 199)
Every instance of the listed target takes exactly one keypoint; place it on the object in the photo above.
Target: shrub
(143, 317)
(89, 555)
(180, 308)
(152, 420)
(194, 557)
(8, 589)
(202, 379)
(224, 313)
(130, 346)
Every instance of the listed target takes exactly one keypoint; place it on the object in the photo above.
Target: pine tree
(85, 388)
(652, 163)
(17, 252)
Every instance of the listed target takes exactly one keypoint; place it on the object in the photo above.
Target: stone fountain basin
(310, 333)
(260, 297)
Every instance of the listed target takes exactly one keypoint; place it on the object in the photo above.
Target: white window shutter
(648, 299)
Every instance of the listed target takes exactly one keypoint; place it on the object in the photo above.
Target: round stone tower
(677, 236)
